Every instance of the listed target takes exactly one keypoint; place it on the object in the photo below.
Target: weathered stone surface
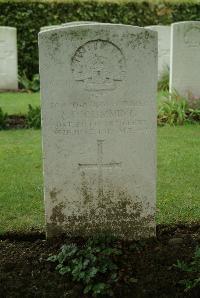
(65, 24)
(50, 27)
(164, 40)
(98, 86)
(185, 62)
(8, 58)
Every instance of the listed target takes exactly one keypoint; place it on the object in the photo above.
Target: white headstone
(98, 89)
(8, 58)
(185, 59)
(164, 40)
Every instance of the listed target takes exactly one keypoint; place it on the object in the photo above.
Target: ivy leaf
(64, 270)
(87, 289)
(52, 258)
(99, 288)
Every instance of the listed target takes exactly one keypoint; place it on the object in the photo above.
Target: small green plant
(30, 85)
(193, 115)
(3, 119)
(176, 110)
(163, 83)
(172, 110)
(33, 117)
(93, 265)
(193, 268)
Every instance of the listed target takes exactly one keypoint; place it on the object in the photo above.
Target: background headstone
(8, 58)
(164, 40)
(98, 87)
(185, 59)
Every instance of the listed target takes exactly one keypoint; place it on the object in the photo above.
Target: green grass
(21, 194)
(17, 103)
(178, 186)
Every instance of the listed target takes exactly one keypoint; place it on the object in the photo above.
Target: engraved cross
(100, 165)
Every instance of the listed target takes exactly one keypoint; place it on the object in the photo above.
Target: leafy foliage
(33, 117)
(3, 119)
(93, 265)
(193, 268)
(30, 84)
(163, 83)
(172, 111)
(175, 110)
(193, 115)
(29, 16)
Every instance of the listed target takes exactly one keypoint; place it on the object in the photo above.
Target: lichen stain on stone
(138, 40)
(79, 33)
(53, 194)
(122, 218)
(86, 193)
(58, 216)
(54, 44)
(54, 231)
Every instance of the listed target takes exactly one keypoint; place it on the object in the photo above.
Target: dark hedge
(28, 17)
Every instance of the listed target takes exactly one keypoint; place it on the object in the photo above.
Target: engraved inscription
(101, 128)
(98, 65)
(83, 119)
(192, 37)
(100, 165)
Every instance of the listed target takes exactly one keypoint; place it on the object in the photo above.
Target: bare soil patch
(25, 271)
(16, 122)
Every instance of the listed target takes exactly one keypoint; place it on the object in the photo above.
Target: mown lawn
(17, 103)
(21, 193)
(21, 188)
(178, 186)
